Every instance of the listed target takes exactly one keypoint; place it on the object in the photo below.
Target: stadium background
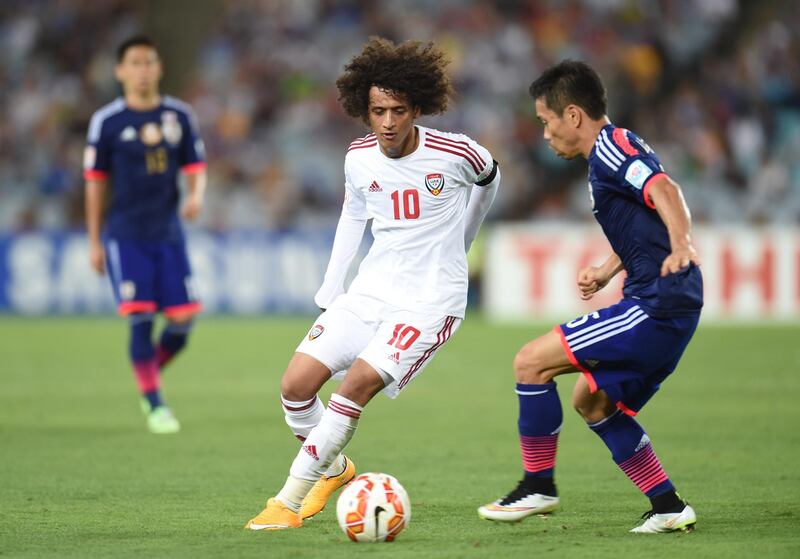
(714, 87)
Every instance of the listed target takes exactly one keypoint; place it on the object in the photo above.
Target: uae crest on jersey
(316, 332)
(434, 182)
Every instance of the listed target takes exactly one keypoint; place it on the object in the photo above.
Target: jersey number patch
(156, 161)
(404, 336)
(408, 205)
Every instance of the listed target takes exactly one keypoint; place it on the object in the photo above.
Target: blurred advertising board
(530, 272)
(246, 272)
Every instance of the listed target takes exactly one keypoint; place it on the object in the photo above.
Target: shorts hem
(131, 307)
(326, 365)
(574, 361)
(186, 308)
(625, 409)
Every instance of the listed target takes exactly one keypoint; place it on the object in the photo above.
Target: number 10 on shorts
(403, 336)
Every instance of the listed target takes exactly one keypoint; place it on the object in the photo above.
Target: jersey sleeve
(193, 151)
(355, 203)
(487, 167)
(475, 163)
(628, 159)
(97, 154)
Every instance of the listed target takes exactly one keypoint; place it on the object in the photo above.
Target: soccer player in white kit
(427, 193)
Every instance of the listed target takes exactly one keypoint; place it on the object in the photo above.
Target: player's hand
(591, 280)
(97, 257)
(679, 259)
(192, 207)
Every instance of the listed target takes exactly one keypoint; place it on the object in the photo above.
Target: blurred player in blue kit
(138, 145)
(627, 350)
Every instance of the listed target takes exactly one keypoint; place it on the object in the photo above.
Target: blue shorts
(150, 276)
(626, 353)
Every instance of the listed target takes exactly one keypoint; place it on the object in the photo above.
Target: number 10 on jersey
(406, 204)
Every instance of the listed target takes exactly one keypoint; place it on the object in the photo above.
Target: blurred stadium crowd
(713, 85)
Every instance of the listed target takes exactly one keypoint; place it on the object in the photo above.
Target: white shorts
(397, 343)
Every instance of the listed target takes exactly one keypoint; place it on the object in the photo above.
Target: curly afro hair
(412, 70)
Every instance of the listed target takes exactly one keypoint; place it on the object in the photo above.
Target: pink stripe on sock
(644, 469)
(538, 453)
(146, 375)
(163, 356)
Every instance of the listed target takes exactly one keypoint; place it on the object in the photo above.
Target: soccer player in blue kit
(627, 350)
(140, 143)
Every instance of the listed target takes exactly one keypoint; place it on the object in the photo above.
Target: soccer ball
(373, 508)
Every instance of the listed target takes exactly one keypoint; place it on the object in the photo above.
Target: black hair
(571, 82)
(135, 41)
(413, 70)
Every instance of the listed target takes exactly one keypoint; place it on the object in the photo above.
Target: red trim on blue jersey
(94, 174)
(187, 308)
(625, 409)
(647, 184)
(621, 139)
(191, 168)
(575, 363)
(130, 307)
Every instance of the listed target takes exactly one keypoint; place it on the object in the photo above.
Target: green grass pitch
(80, 476)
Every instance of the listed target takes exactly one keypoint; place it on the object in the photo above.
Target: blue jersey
(621, 168)
(142, 153)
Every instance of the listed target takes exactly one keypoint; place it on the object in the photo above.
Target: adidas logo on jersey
(375, 187)
(395, 357)
(128, 134)
(311, 450)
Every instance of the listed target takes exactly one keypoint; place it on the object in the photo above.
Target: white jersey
(418, 205)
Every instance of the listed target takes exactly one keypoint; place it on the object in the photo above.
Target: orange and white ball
(373, 507)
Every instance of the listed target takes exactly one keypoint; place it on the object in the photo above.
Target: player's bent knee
(294, 390)
(528, 365)
(592, 407)
(361, 383)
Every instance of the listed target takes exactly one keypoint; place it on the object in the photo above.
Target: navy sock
(142, 354)
(153, 398)
(631, 449)
(141, 341)
(540, 418)
(173, 340)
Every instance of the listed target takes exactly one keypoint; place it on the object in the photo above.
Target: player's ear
(572, 114)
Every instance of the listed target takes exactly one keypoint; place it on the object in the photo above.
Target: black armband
(491, 176)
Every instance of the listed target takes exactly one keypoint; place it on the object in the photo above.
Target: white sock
(326, 441)
(336, 467)
(293, 492)
(302, 417)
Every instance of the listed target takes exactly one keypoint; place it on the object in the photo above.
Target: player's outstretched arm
(348, 237)
(95, 198)
(667, 198)
(196, 186)
(480, 201)
(592, 279)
